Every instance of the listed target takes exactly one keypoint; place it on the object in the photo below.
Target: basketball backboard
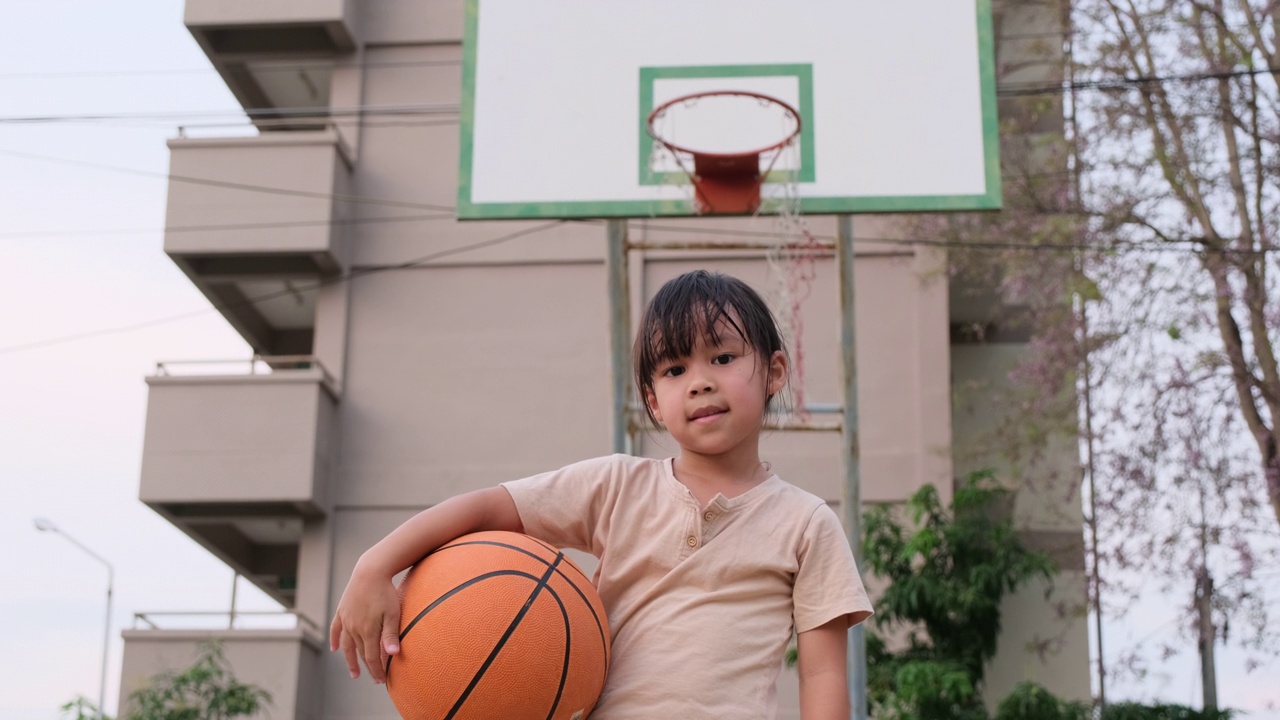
(897, 102)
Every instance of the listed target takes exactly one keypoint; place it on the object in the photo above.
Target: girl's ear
(777, 373)
(651, 401)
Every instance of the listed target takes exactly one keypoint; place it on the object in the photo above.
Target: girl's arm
(367, 622)
(824, 685)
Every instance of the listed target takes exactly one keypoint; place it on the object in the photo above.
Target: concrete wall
(1045, 633)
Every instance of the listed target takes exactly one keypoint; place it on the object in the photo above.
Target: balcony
(274, 53)
(241, 462)
(282, 657)
(254, 223)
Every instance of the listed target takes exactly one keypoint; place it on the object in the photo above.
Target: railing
(224, 620)
(255, 365)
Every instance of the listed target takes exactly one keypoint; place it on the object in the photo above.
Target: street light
(46, 525)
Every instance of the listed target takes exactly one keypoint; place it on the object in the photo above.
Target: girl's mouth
(707, 414)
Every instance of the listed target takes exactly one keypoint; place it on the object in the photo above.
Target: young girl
(708, 561)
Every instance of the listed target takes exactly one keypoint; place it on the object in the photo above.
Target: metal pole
(44, 525)
(851, 501)
(106, 645)
(619, 333)
(1096, 579)
(235, 584)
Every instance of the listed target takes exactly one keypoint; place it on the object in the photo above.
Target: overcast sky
(80, 257)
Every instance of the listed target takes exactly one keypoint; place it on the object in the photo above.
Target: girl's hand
(367, 623)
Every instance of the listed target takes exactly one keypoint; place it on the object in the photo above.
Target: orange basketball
(498, 626)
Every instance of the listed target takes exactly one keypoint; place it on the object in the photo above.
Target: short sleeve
(827, 585)
(563, 507)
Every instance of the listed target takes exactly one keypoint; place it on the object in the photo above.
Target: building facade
(403, 357)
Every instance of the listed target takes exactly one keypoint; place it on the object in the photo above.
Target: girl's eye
(673, 371)
(722, 359)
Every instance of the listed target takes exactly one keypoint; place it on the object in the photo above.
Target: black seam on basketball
(568, 645)
(493, 654)
(496, 573)
(590, 608)
(573, 565)
(519, 549)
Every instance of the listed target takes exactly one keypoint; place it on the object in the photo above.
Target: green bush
(947, 572)
(1030, 701)
(205, 691)
(1138, 711)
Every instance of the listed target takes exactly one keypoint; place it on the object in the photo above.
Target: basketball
(498, 626)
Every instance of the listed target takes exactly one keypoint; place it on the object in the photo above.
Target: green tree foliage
(1138, 711)
(1030, 701)
(81, 708)
(947, 573)
(205, 691)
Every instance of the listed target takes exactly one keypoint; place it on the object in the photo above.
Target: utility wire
(233, 226)
(292, 291)
(1126, 83)
(452, 109)
(1184, 245)
(1187, 245)
(342, 122)
(290, 67)
(271, 113)
(358, 199)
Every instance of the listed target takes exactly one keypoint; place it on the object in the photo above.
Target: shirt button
(693, 541)
(708, 516)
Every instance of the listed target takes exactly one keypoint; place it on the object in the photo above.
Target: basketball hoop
(724, 181)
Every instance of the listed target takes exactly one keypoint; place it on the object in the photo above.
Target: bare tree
(1183, 134)
(1155, 216)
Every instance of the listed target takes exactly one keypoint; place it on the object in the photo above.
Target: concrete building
(403, 360)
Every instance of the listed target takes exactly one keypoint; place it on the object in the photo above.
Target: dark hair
(694, 306)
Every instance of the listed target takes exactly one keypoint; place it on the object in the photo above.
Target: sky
(87, 307)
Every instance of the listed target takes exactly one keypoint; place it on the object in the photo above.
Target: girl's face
(713, 401)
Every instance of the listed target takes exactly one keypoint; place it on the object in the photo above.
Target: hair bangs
(676, 333)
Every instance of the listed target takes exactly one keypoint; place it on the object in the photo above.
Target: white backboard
(896, 97)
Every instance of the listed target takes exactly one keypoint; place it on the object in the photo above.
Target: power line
(1183, 245)
(290, 67)
(1190, 245)
(233, 226)
(1125, 83)
(1187, 245)
(348, 276)
(357, 199)
(430, 257)
(341, 122)
(270, 113)
(452, 109)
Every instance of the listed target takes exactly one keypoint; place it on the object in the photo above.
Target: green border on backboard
(804, 79)
(991, 200)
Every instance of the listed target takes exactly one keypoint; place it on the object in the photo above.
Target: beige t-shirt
(702, 601)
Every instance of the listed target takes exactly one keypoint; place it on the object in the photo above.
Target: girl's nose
(701, 386)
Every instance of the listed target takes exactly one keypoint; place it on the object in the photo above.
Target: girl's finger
(374, 659)
(335, 634)
(348, 643)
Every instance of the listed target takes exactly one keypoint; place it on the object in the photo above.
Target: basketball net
(792, 261)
